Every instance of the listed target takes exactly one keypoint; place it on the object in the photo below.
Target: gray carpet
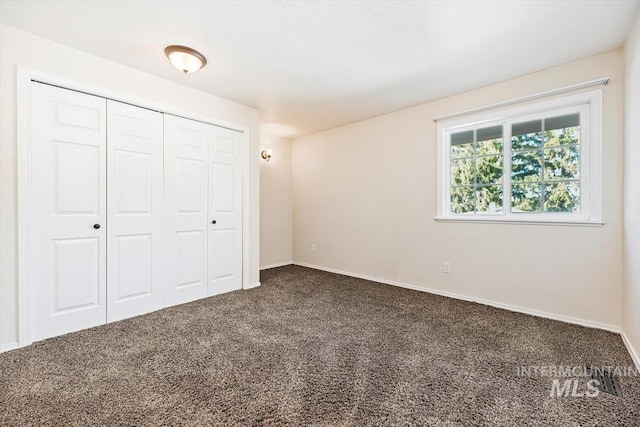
(314, 348)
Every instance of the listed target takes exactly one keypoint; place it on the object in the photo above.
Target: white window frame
(588, 104)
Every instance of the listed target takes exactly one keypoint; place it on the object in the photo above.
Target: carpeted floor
(314, 348)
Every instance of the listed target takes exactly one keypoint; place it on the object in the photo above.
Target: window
(537, 163)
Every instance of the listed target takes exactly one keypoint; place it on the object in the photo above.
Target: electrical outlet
(313, 247)
(446, 267)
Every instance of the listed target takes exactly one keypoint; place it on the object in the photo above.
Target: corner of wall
(276, 202)
(630, 303)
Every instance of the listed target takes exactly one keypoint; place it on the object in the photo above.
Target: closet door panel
(185, 209)
(68, 199)
(135, 211)
(225, 210)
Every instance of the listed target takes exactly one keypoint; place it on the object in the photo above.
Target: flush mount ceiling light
(185, 59)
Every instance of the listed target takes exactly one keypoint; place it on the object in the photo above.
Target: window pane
(562, 163)
(524, 128)
(489, 169)
(462, 144)
(462, 200)
(489, 133)
(462, 150)
(562, 130)
(462, 172)
(526, 166)
(462, 137)
(562, 197)
(526, 198)
(492, 146)
(489, 199)
(562, 122)
(564, 136)
(526, 135)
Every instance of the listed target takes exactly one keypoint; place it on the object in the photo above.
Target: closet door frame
(24, 78)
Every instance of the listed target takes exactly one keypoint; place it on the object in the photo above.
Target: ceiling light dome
(185, 59)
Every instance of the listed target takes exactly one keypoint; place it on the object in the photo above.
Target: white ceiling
(310, 66)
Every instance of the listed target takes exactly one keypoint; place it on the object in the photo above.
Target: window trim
(589, 104)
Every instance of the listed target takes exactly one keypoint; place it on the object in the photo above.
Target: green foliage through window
(477, 171)
(545, 167)
(545, 154)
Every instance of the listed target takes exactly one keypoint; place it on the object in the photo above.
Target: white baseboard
(9, 346)
(518, 309)
(252, 285)
(634, 355)
(278, 264)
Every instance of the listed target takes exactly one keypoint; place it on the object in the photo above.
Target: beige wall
(275, 203)
(20, 48)
(631, 287)
(365, 195)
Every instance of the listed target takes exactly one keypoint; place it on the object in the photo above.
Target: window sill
(527, 221)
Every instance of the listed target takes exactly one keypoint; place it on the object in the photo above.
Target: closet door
(134, 211)
(185, 178)
(225, 210)
(68, 195)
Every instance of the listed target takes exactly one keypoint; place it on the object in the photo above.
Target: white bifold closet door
(185, 180)
(131, 210)
(225, 210)
(68, 211)
(203, 209)
(135, 246)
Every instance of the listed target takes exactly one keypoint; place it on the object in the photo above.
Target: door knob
(96, 226)
(214, 221)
